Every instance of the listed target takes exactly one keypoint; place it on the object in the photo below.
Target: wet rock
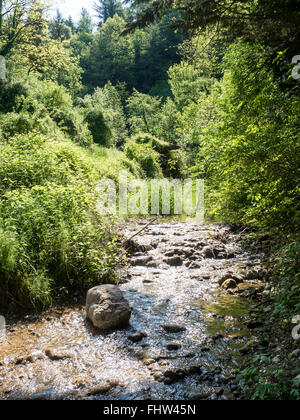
(194, 265)
(175, 261)
(107, 308)
(195, 369)
(101, 389)
(148, 362)
(175, 375)
(229, 276)
(136, 337)
(141, 261)
(24, 360)
(245, 350)
(205, 349)
(135, 247)
(173, 346)
(218, 337)
(208, 252)
(42, 396)
(256, 274)
(54, 355)
(158, 376)
(229, 284)
(153, 264)
(173, 328)
(170, 253)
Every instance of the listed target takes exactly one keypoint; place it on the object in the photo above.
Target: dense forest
(176, 89)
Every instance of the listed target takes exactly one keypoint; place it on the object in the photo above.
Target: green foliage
(170, 160)
(110, 57)
(44, 107)
(141, 60)
(145, 155)
(268, 381)
(107, 9)
(249, 151)
(97, 125)
(52, 240)
(187, 83)
(285, 265)
(109, 100)
(10, 92)
(143, 113)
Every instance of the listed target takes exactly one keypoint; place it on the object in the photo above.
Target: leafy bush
(10, 93)
(146, 156)
(285, 265)
(52, 240)
(98, 127)
(170, 160)
(249, 151)
(109, 99)
(46, 108)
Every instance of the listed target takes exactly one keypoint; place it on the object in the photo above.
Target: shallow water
(62, 356)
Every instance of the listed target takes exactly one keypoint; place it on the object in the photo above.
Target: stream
(190, 287)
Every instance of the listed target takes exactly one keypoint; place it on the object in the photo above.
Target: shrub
(97, 125)
(146, 156)
(52, 240)
(10, 95)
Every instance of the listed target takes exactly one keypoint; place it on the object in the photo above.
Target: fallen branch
(140, 231)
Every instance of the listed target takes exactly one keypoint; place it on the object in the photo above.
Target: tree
(111, 57)
(85, 24)
(107, 9)
(273, 23)
(141, 59)
(109, 99)
(59, 29)
(38, 53)
(14, 21)
(144, 113)
(69, 22)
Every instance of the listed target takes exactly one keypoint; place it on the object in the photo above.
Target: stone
(173, 328)
(195, 369)
(175, 375)
(208, 252)
(255, 274)
(173, 346)
(101, 389)
(107, 308)
(141, 261)
(200, 396)
(245, 350)
(194, 265)
(174, 261)
(229, 284)
(137, 336)
(54, 355)
(229, 276)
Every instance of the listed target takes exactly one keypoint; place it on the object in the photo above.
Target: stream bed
(190, 287)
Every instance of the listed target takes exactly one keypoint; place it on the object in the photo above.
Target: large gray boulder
(107, 308)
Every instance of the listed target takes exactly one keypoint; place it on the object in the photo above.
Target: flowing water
(172, 285)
